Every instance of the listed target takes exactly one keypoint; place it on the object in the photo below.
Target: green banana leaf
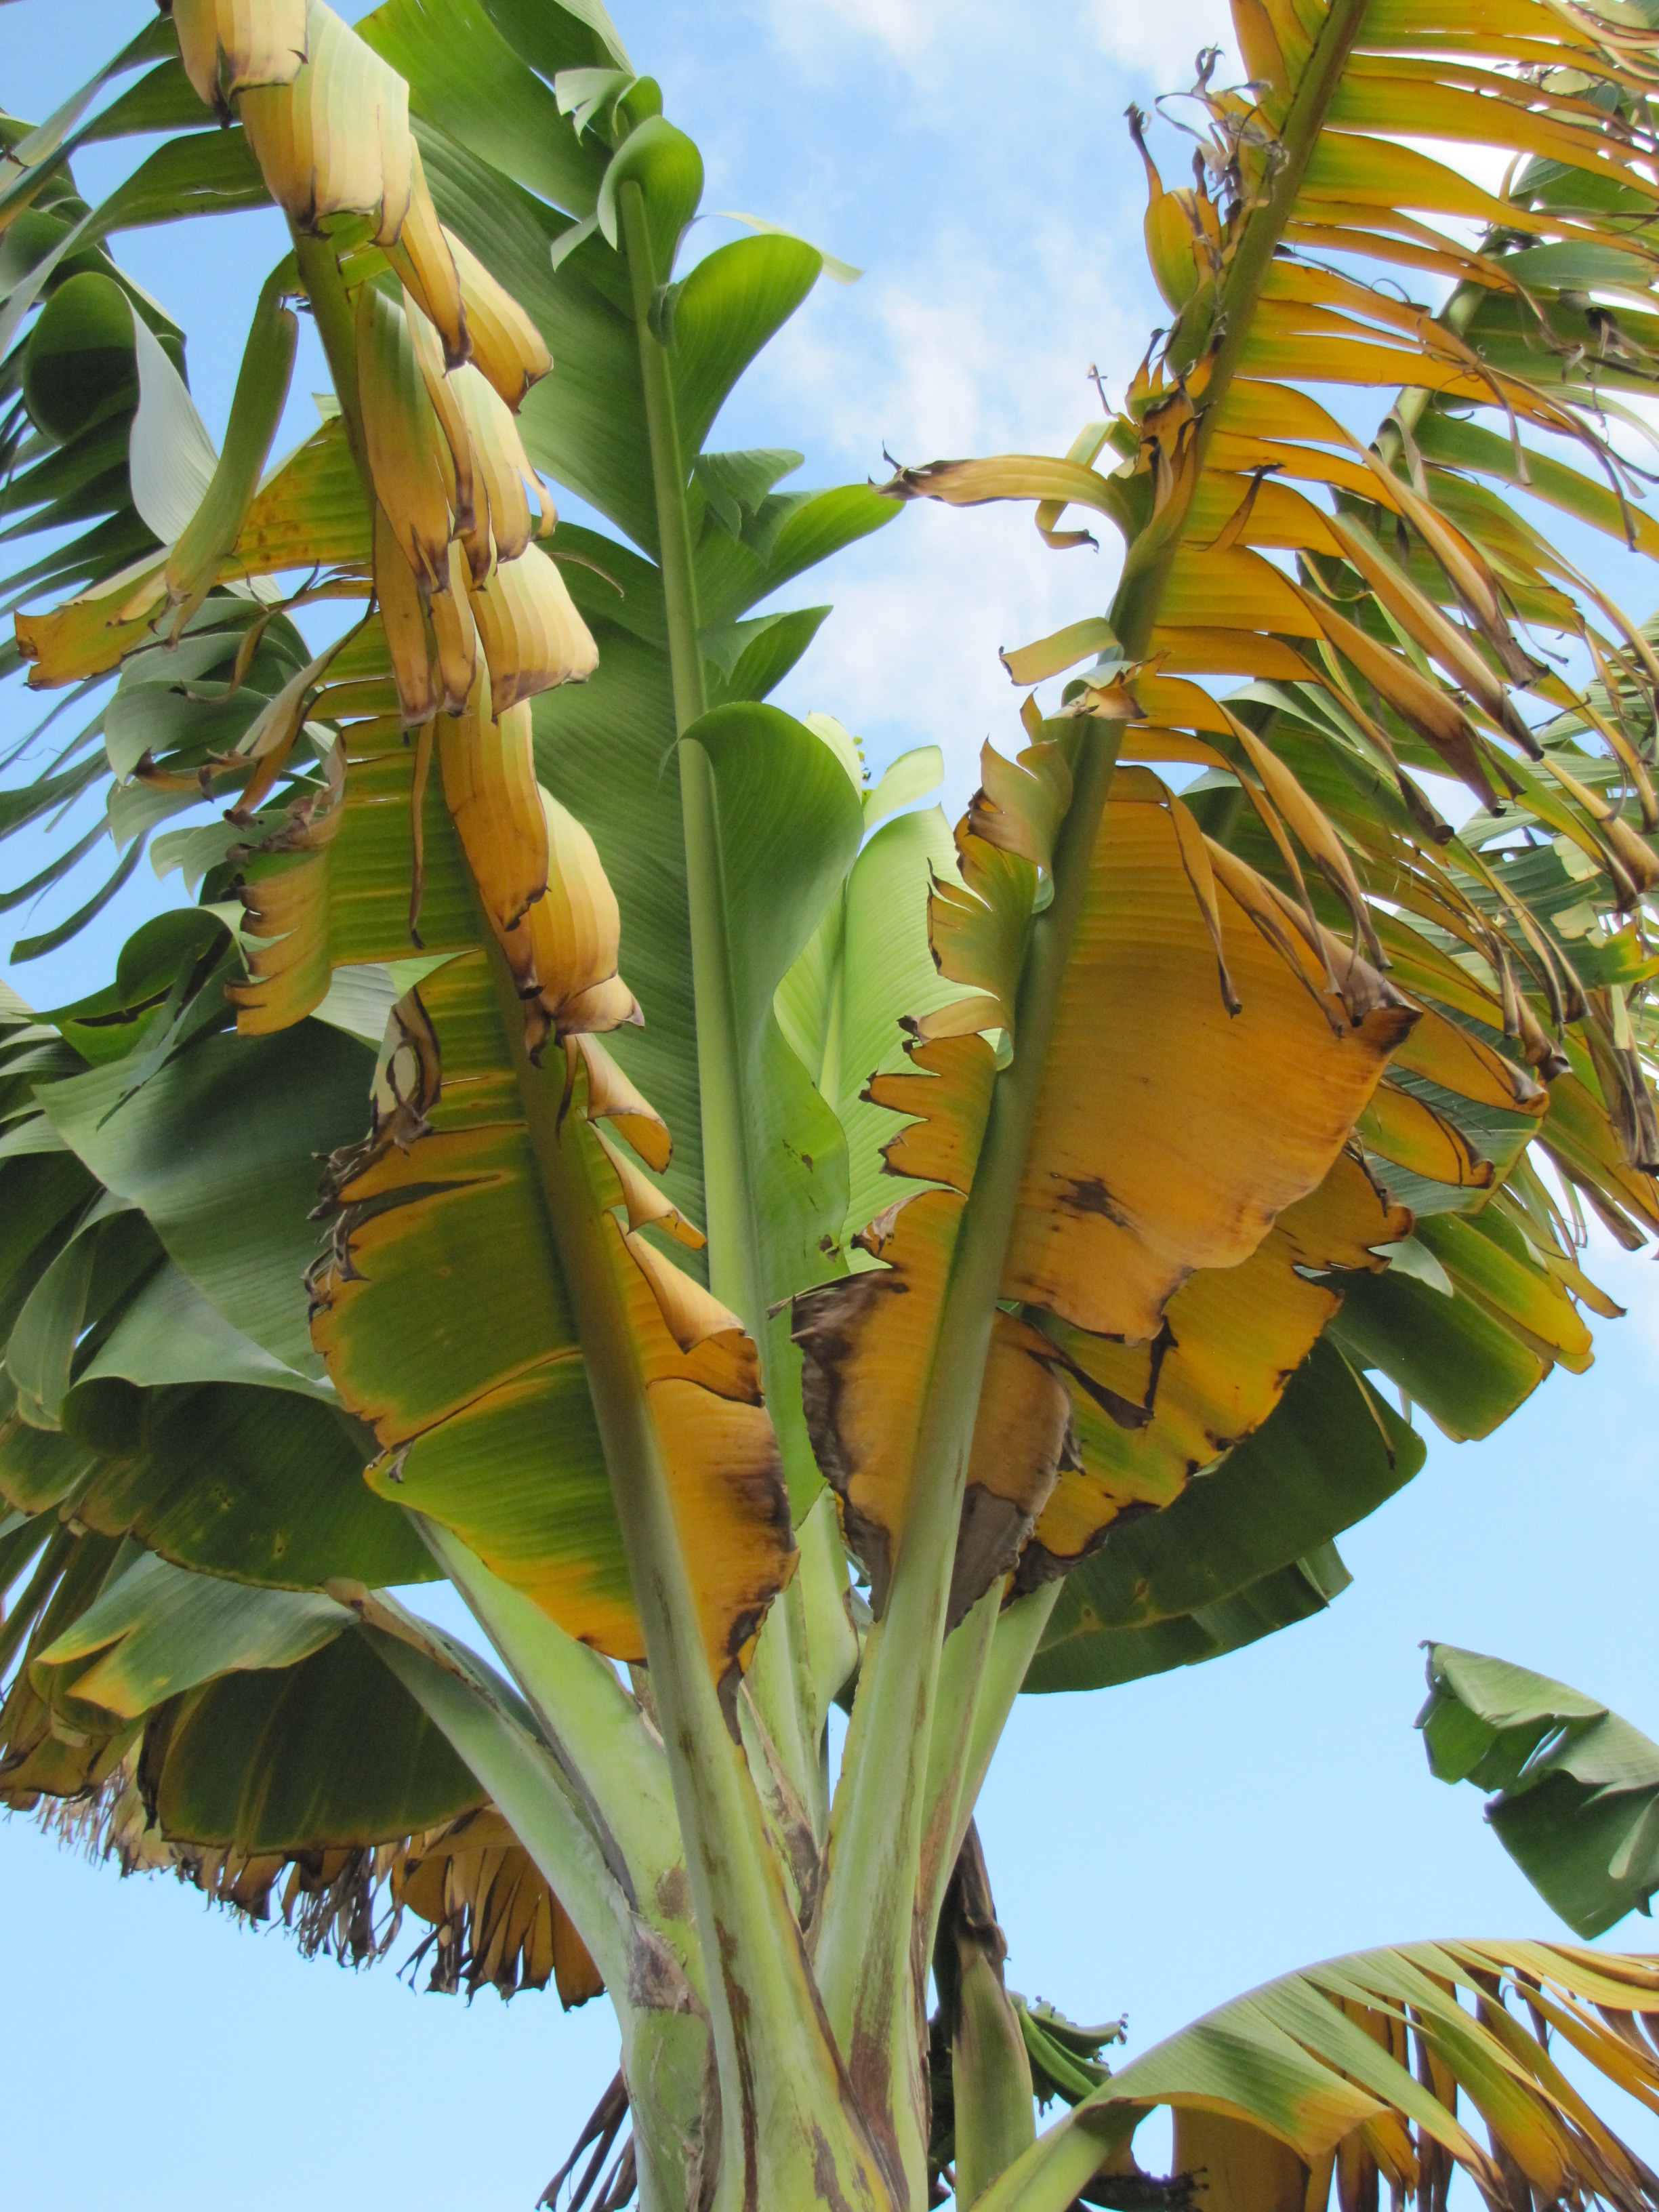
(1573, 1790)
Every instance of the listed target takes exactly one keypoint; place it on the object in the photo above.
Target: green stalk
(731, 1180)
(617, 1767)
(961, 1677)
(734, 1246)
(663, 2027)
(877, 1826)
(331, 310)
(783, 2097)
(1001, 1667)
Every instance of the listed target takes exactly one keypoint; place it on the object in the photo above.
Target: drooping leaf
(1572, 1788)
(1085, 1250)
(221, 1159)
(259, 1488)
(1372, 2065)
(157, 1632)
(331, 1753)
(1327, 1455)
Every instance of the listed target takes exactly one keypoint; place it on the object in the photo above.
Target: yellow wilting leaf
(493, 1917)
(272, 734)
(335, 139)
(1245, 2170)
(457, 636)
(1020, 804)
(504, 472)
(1259, 49)
(1439, 1051)
(1315, 832)
(977, 930)
(442, 389)
(976, 927)
(406, 449)
(612, 1097)
(1390, 2065)
(539, 875)
(310, 512)
(1627, 848)
(443, 1318)
(328, 882)
(648, 1206)
(532, 635)
(92, 634)
(1422, 620)
(1183, 235)
(1170, 1133)
(865, 1343)
(1247, 506)
(228, 46)
(1211, 1128)
(404, 619)
(1054, 485)
(1233, 590)
(1050, 656)
(1403, 1128)
(576, 932)
(950, 1097)
(1434, 714)
(1391, 646)
(1197, 649)
(421, 253)
(489, 786)
(288, 965)
(1024, 1444)
(506, 347)
(1150, 1416)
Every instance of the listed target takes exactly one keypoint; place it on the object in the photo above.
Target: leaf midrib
(1135, 608)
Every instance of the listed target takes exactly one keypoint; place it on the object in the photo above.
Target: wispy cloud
(911, 656)
(807, 30)
(1155, 39)
(1158, 39)
(987, 354)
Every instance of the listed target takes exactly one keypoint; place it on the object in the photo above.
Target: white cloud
(808, 30)
(1155, 39)
(910, 658)
(1159, 38)
(982, 357)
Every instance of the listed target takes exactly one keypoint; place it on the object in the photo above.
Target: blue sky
(1154, 1849)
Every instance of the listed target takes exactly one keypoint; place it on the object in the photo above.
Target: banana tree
(798, 1257)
